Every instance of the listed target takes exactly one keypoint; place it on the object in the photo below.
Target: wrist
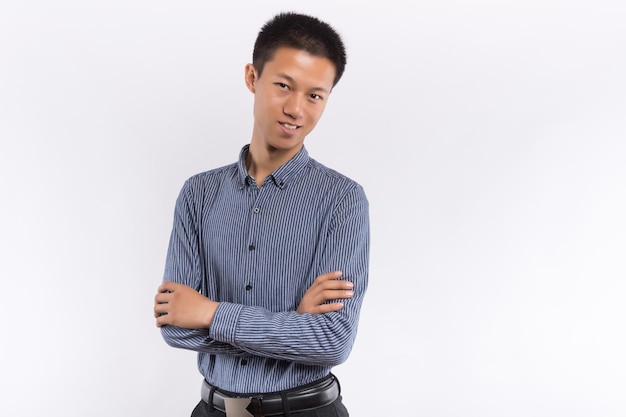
(210, 313)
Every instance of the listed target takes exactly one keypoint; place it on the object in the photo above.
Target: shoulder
(333, 177)
(199, 184)
(210, 176)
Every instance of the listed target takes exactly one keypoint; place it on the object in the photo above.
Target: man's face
(289, 98)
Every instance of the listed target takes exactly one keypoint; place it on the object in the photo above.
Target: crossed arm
(182, 306)
(319, 330)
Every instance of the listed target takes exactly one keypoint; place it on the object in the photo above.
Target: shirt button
(248, 287)
(251, 247)
(244, 362)
(256, 210)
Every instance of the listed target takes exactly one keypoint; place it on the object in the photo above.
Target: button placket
(252, 244)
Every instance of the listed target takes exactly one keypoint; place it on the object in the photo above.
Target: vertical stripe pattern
(256, 251)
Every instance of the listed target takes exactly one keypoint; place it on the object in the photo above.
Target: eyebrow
(291, 80)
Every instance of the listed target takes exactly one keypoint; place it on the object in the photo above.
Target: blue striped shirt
(256, 250)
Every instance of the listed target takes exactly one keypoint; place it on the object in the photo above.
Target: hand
(182, 306)
(326, 287)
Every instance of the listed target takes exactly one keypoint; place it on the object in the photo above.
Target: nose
(293, 106)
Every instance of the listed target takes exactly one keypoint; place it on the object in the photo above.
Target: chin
(287, 144)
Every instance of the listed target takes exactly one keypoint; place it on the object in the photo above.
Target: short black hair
(302, 32)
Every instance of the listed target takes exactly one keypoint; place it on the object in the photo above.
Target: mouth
(289, 126)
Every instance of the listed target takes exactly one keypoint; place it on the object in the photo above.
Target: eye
(282, 86)
(316, 97)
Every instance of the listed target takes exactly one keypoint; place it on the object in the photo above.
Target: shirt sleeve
(184, 265)
(317, 339)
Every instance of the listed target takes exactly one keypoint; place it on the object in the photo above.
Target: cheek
(261, 108)
(267, 104)
(315, 113)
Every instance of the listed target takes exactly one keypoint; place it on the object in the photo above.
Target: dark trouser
(336, 409)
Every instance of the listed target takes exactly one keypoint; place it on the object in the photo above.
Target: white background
(490, 137)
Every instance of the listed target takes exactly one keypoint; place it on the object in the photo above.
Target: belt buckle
(244, 407)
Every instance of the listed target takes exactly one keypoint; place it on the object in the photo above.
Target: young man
(268, 258)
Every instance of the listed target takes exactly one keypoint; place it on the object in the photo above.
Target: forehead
(302, 67)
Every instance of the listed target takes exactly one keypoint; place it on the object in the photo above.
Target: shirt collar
(282, 176)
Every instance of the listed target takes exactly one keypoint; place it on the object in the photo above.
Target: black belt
(307, 397)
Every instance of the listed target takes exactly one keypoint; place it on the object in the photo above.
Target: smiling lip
(288, 128)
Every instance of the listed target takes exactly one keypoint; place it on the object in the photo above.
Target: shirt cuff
(224, 324)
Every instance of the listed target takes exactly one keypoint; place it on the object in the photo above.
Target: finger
(325, 282)
(162, 320)
(329, 292)
(330, 276)
(328, 295)
(337, 285)
(162, 298)
(337, 294)
(324, 278)
(160, 309)
(328, 308)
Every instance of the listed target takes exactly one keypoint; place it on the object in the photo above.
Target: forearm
(184, 316)
(319, 339)
(197, 340)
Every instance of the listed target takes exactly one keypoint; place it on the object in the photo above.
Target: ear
(250, 77)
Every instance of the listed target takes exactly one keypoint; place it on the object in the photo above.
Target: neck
(262, 161)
